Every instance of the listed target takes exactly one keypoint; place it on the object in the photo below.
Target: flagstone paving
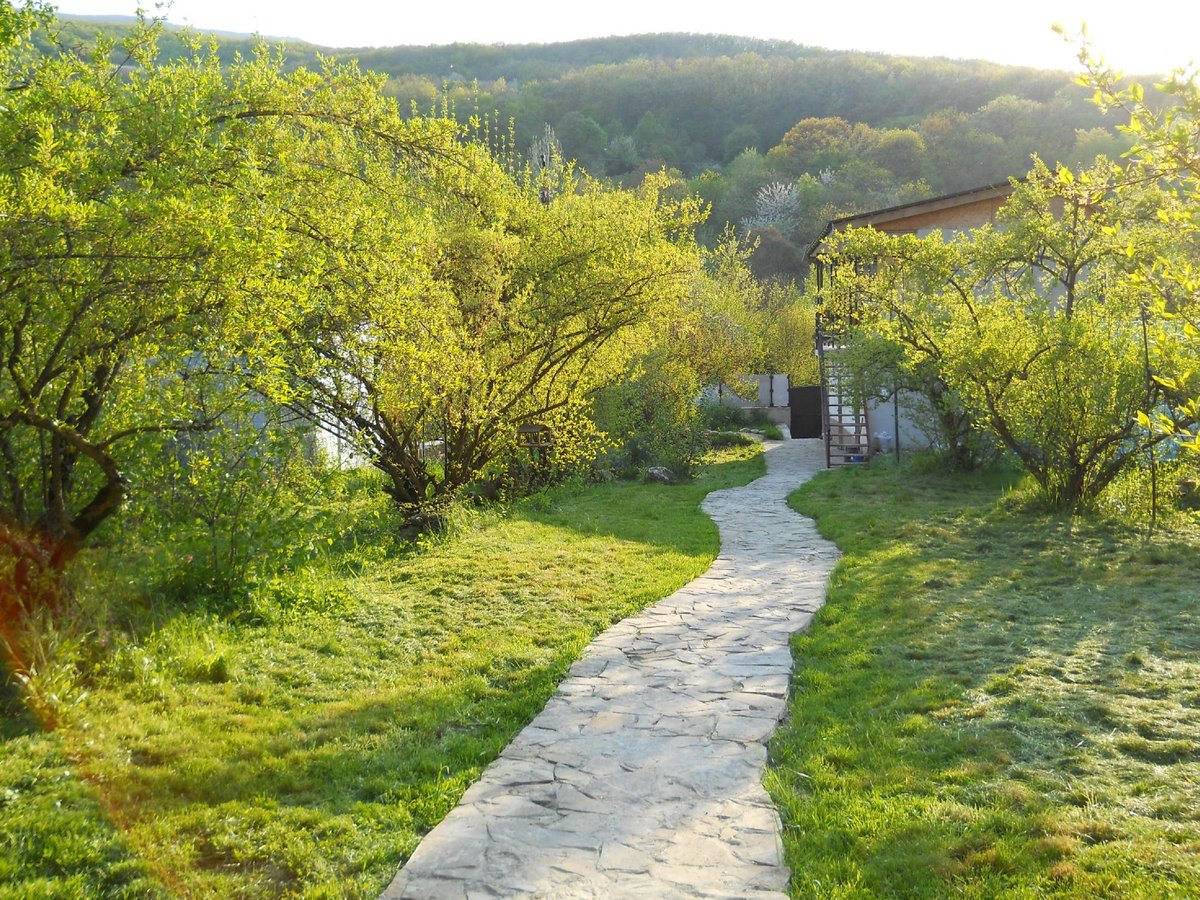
(642, 777)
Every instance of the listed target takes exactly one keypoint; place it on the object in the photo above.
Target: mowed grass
(308, 757)
(55, 840)
(993, 703)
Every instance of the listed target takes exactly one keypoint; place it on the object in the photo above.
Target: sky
(1008, 31)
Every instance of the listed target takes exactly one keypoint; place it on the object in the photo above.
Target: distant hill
(115, 20)
(697, 89)
(487, 62)
(525, 62)
(119, 23)
(846, 130)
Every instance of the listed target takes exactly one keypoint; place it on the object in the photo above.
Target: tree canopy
(625, 106)
(183, 240)
(1165, 133)
(1035, 323)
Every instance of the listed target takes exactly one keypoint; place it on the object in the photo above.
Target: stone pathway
(642, 777)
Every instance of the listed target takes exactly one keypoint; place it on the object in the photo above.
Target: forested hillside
(777, 136)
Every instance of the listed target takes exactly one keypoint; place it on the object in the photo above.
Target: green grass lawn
(309, 756)
(992, 703)
(55, 840)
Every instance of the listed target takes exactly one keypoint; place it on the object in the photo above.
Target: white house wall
(913, 411)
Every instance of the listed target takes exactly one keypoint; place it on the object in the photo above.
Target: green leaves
(185, 238)
(151, 225)
(1036, 323)
(1166, 155)
(437, 304)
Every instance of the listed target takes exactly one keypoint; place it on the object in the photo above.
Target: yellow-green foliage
(1165, 153)
(181, 234)
(1035, 323)
(790, 344)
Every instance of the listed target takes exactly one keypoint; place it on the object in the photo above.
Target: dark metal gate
(806, 411)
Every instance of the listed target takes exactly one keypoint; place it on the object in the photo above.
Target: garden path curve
(642, 777)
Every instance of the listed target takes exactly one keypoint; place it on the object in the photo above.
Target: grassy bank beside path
(992, 703)
(308, 756)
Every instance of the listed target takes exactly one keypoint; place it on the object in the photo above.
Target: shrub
(231, 508)
(722, 417)
(1039, 326)
(720, 439)
(652, 421)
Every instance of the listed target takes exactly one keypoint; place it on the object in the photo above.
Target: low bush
(722, 416)
(772, 432)
(721, 439)
(233, 507)
(651, 421)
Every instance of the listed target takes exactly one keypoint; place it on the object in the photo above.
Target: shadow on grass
(55, 840)
(338, 799)
(991, 701)
(15, 720)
